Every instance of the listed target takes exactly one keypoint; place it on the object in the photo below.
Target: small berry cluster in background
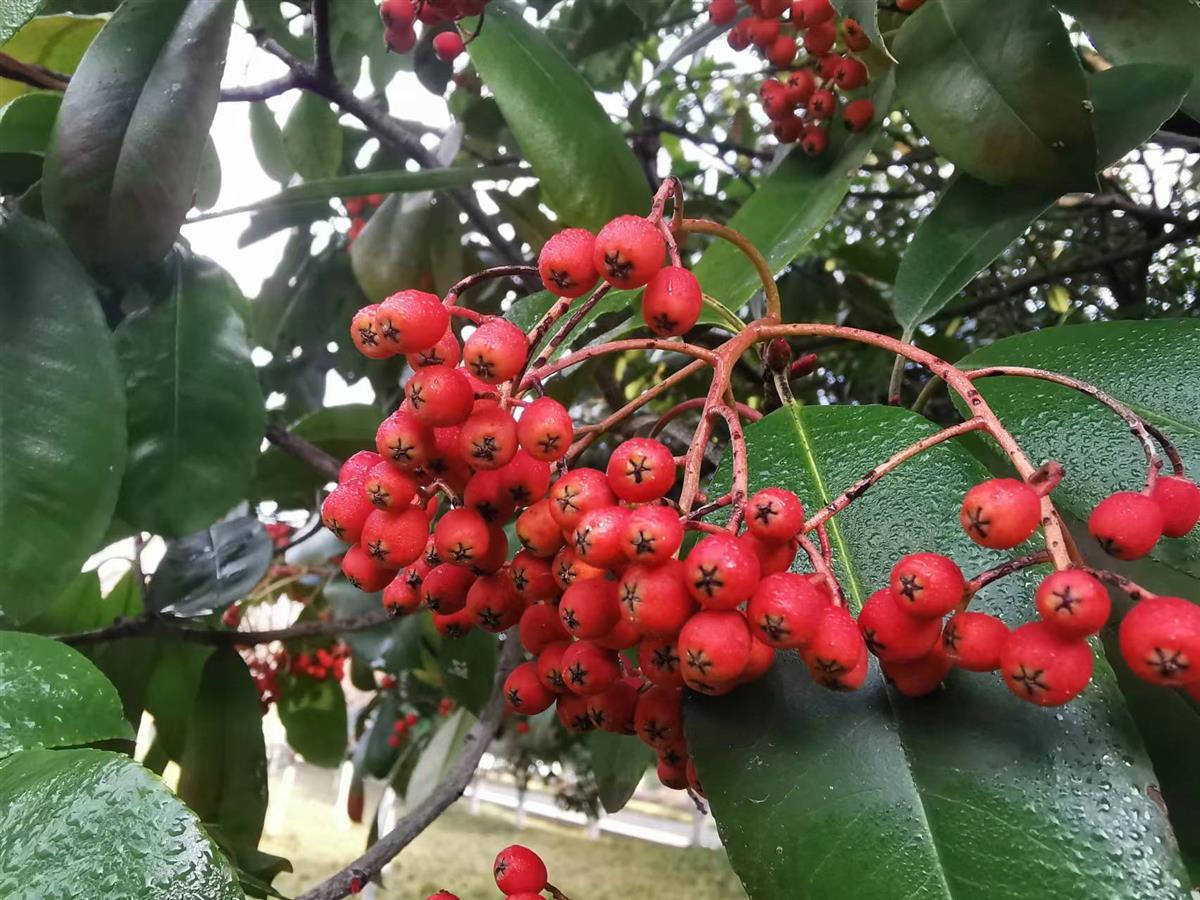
(265, 670)
(401, 728)
(356, 209)
(321, 663)
(400, 18)
(805, 95)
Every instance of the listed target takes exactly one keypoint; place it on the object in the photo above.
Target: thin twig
(303, 450)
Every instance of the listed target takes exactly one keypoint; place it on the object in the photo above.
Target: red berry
(232, 616)
(822, 104)
(762, 657)
(806, 13)
(545, 429)
(549, 666)
(1126, 524)
(658, 661)
(776, 100)
(782, 51)
(486, 494)
(493, 604)
(365, 573)
(1178, 500)
(651, 534)
(578, 492)
(588, 668)
(788, 130)
(365, 334)
(854, 36)
(893, 635)
(445, 352)
(488, 439)
(568, 569)
(405, 440)
(1073, 603)
(722, 12)
(671, 302)
(814, 140)
(541, 626)
(589, 609)
(1000, 513)
(672, 775)
(357, 466)
(496, 351)
(397, 12)
(538, 532)
(628, 251)
(497, 552)
(800, 86)
(533, 578)
(785, 609)
(523, 693)
(820, 38)
(389, 488)
(858, 114)
(774, 514)
(518, 869)
(921, 676)
(836, 656)
(461, 537)
(613, 709)
(448, 45)
(526, 479)
(773, 556)
(763, 30)
(714, 648)
(597, 536)
(640, 470)
(572, 712)
(973, 640)
(850, 74)
(566, 265)
(739, 35)
(410, 321)
(400, 598)
(454, 625)
(721, 572)
(658, 719)
(400, 39)
(444, 589)
(345, 511)
(395, 539)
(1160, 640)
(927, 585)
(439, 395)
(653, 598)
(1041, 666)
(621, 636)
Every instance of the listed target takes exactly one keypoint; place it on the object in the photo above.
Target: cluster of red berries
(400, 18)
(265, 671)
(321, 663)
(519, 873)
(357, 209)
(445, 706)
(804, 97)
(401, 728)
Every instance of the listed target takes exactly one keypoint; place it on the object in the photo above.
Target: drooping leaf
(378, 755)
(223, 772)
(790, 206)
(468, 667)
(269, 148)
(122, 170)
(618, 767)
(974, 222)
(341, 431)
(1011, 71)
(1152, 31)
(438, 756)
(55, 42)
(62, 433)
(314, 716)
(52, 696)
(207, 571)
(84, 823)
(195, 412)
(588, 173)
(1151, 366)
(968, 792)
(313, 137)
(171, 693)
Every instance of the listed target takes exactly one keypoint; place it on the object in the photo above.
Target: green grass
(456, 853)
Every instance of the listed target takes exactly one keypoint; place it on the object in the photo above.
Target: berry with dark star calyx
(488, 439)
(973, 641)
(388, 487)
(672, 301)
(721, 572)
(893, 635)
(589, 609)
(837, 655)
(572, 713)
(927, 585)
(410, 321)
(538, 532)
(1043, 667)
(533, 578)
(640, 470)
(920, 676)
(658, 661)
(540, 626)
(613, 709)
(364, 571)
(858, 114)
(629, 250)
(364, 331)
(1000, 513)
(588, 668)
(651, 535)
(596, 538)
(518, 869)
(404, 440)
(784, 610)
(345, 511)
(578, 492)
(496, 351)
(395, 539)
(658, 719)
(446, 352)
(492, 603)
(567, 568)
(1160, 641)
(545, 429)
(714, 648)
(774, 514)
(565, 263)
(439, 395)
(1178, 499)
(653, 598)
(1073, 603)
(524, 693)
(400, 598)
(444, 589)
(525, 478)
(1126, 524)
(549, 666)
(461, 536)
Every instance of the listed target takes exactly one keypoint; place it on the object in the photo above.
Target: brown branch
(32, 75)
(448, 790)
(303, 450)
(321, 50)
(983, 579)
(272, 88)
(655, 125)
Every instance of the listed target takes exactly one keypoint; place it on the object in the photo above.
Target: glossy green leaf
(791, 205)
(1151, 366)
(223, 772)
(207, 571)
(588, 173)
(122, 170)
(1010, 71)
(618, 766)
(314, 716)
(54, 42)
(340, 431)
(62, 433)
(468, 667)
(968, 792)
(267, 137)
(392, 251)
(52, 696)
(438, 756)
(1153, 31)
(378, 755)
(84, 823)
(974, 222)
(26, 124)
(313, 137)
(866, 14)
(195, 412)
(171, 693)
(208, 179)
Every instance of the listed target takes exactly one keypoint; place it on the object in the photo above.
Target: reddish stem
(698, 403)
(822, 568)
(983, 579)
(470, 281)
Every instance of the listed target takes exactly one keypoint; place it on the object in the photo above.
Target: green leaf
(122, 170)
(195, 412)
(341, 431)
(377, 755)
(1151, 366)
(267, 137)
(84, 823)
(394, 647)
(618, 766)
(312, 137)
(790, 206)
(62, 433)
(588, 173)
(52, 696)
(208, 179)
(314, 716)
(223, 773)
(468, 667)
(1010, 71)
(974, 222)
(866, 14)
(207, 571)
(438, 756)
(14, 14)
(1133, 31)
(26, 124)
(968, 792)
(54, 42)
(392, 252)
(171, 692)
